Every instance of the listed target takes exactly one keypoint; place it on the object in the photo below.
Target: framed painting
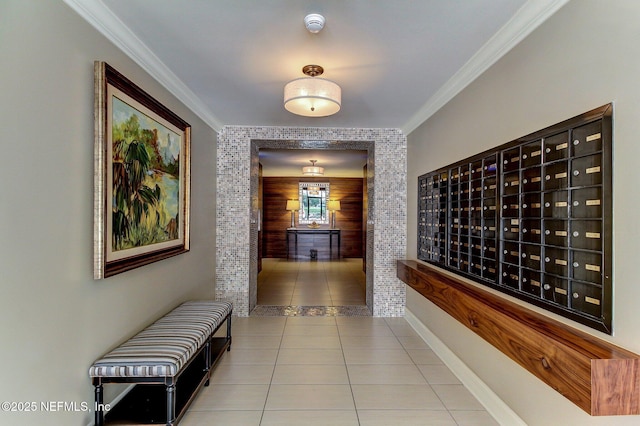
(141, 177)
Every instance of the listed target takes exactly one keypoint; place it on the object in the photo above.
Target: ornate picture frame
(141, 176)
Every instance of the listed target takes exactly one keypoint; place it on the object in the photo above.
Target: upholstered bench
(169, 361)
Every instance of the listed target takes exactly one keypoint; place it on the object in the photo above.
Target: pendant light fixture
(312, 96)
(313, 170)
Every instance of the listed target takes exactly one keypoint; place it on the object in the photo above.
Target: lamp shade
(293, 205)
(333, 205)
(312, 97)
(313, 171)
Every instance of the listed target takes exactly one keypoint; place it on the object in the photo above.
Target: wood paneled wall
(276, 192)
(594, 374)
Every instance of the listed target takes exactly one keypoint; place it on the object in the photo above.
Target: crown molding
(109, 25)
(524, 22)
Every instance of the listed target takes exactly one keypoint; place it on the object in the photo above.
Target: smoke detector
(314, 22)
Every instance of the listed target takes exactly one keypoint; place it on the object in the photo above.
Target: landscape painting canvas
(146, 161)
(145, 168)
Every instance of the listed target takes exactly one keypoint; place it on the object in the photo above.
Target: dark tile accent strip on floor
(310, 311)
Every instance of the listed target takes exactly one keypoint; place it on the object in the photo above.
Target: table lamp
(333, 206)
(293, 206)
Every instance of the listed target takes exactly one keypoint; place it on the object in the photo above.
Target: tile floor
(317, 283)
(330, 370)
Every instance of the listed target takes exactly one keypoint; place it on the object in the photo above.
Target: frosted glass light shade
(313, 171)
(312, 97)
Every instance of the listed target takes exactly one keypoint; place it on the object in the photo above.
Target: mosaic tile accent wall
(237, 212)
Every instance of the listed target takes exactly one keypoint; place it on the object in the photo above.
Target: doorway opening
(312, 268)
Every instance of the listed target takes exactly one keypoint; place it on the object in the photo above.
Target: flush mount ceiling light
(312, 96)
(313, 170)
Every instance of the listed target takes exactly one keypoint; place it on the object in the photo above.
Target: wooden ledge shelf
(597, 376)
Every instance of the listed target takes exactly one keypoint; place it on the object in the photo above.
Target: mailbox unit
(531, 218)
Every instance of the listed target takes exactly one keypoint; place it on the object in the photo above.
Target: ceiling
(397, 61)
(289, 162)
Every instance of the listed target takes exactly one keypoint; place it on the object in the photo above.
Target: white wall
(55, 320)
(586, 55)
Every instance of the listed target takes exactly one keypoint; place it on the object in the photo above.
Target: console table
(308, 231)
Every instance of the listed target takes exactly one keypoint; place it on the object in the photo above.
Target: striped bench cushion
(163, 348)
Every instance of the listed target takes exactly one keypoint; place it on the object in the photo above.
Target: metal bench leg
(99, 408)
(171, 404)
(207, 361)
(229, 331)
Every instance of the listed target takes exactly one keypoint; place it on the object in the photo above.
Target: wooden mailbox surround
(599, 377)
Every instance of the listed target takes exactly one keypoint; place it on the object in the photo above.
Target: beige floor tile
(311, 356)
(322, 374)
(287, 279)
(311, 294)
(371, 342)
(311, 321)
(473, 418)
(402, 329)
(438, 375)
(275, 300)
(394, 321)
(321, 291)
(309, 397)
(457, 397)
(231, 397)
(344, 281)
(349, 301)
(250, 356)
(311, 301)
(310, 418)
(405, 418)
(364, 330)
(361, 321)
(394, 397)
(277, 283)
(274, 294)
(209, 418)
(242, 374)
(311, 279)
(347, 286)
(307, 283)
(424, 356)
(399, 374)
(376, 356)
(310, 330)
(356, 279)
(257, 326)
(413, 342)
(305, 342)
(255, 342)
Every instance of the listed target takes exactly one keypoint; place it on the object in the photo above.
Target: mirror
(313, 203)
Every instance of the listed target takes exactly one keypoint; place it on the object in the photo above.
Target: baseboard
(491, 402)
